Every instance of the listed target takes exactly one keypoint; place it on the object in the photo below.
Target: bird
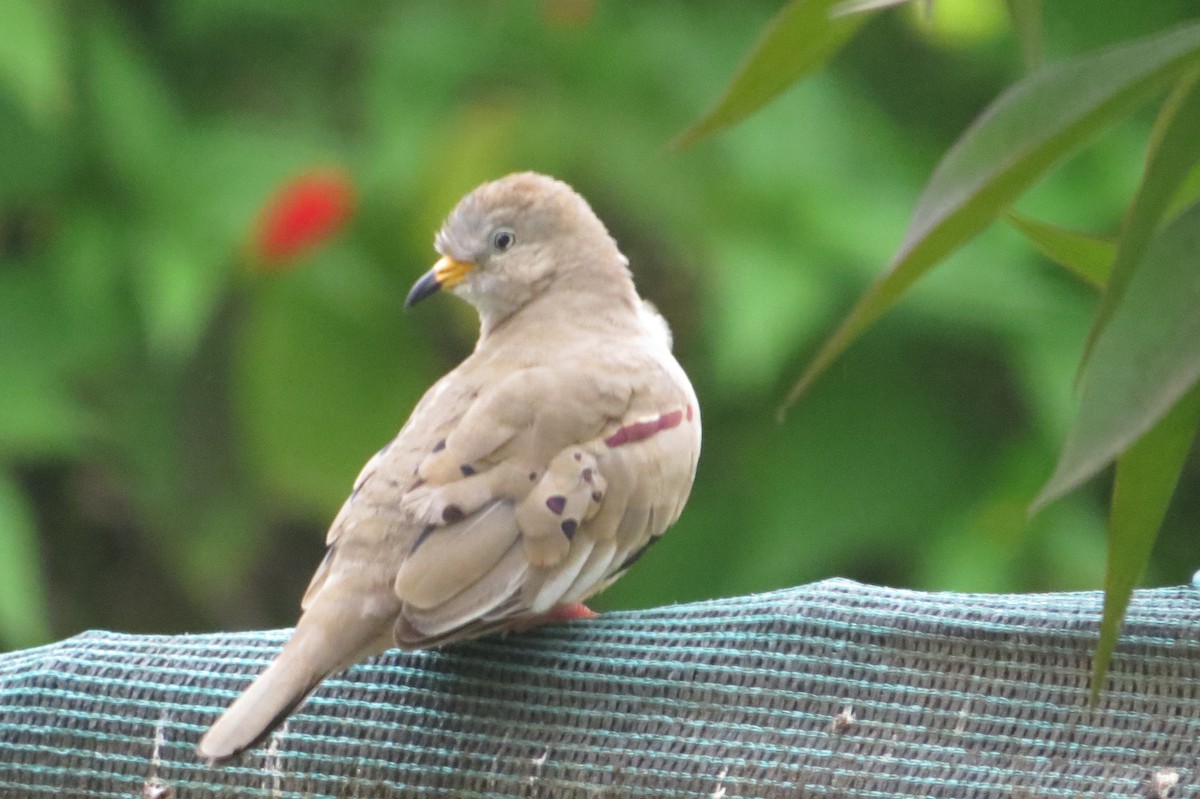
(526, 479)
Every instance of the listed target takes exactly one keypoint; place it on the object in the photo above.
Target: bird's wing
(547, 487)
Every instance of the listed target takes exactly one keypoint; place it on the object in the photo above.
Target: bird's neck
(587, 304)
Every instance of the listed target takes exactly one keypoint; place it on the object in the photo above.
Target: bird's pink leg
(557, 615)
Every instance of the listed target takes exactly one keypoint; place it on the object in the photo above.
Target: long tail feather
(326, 640)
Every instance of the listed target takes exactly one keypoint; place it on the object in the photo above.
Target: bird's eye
(503, 239)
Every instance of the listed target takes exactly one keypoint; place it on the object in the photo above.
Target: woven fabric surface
(836, 689)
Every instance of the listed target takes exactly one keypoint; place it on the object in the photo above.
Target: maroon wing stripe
(640, 431)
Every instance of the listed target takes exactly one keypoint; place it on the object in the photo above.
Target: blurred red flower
(301, 214)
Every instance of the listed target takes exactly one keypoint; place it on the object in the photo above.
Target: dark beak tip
(424, 287)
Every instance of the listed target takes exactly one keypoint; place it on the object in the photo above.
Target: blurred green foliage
(178, 423)
(1140, 370)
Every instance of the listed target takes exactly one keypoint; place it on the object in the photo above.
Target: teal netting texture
(830, 690)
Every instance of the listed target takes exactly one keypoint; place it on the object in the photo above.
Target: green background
(178, 424)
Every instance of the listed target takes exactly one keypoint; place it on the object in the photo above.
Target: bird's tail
(326, 640)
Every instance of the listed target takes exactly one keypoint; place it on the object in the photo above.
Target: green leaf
(799, 40)
(1027, 20)
(1020, 137)
(319, 387)
(1188, 193)
(132, 120)
(1146, 477)
(33, 57)
(847, 7)
(178, 289)
(41, 415)
(1144, 359)
(23, 617)
(1086, 256)
(1174, 150)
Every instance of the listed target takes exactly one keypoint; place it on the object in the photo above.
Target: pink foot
(557, 615)
(572, 612)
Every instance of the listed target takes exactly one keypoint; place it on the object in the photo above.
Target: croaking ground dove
(527, 479)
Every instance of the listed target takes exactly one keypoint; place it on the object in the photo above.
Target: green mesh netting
(832, 690)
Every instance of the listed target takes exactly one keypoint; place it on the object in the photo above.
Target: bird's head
(515, 239)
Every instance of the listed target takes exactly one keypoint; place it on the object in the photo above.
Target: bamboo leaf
(798, 41)
(1146, 477)
(1174, 150)
(1020, 137)
(848, 7)
(1086, 256)
(1027, 21)
(1144, 360)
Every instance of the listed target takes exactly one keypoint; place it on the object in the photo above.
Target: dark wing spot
(452, 514)
(441, 445)
(578, 456)
(569, 526)
(532, 476)
(556, 503)
(597, 496)
(586, 475)
(467, 470)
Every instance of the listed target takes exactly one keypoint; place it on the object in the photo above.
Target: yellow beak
(446, 273)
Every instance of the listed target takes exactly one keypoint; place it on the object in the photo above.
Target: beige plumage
(527, 479)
